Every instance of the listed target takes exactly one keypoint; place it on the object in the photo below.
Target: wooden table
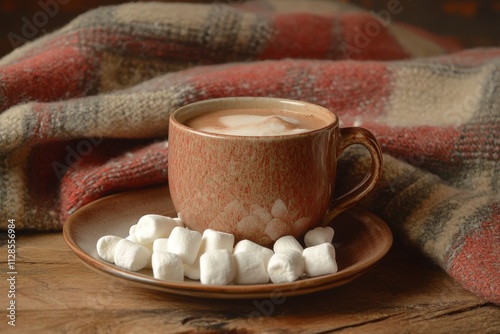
(57, 293)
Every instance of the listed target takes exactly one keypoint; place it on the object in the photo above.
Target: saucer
(361, 240)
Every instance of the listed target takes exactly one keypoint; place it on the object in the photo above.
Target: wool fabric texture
(84, 112)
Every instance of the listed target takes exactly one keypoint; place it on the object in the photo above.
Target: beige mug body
(261, 187)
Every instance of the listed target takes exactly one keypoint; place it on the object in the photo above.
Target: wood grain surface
(57, 293)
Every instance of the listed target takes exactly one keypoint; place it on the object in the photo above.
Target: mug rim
(230, 102)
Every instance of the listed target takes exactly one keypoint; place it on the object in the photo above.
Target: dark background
(470, 22)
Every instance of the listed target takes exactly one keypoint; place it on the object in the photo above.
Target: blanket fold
(84, 112)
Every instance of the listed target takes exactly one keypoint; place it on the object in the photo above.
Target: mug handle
(350, 136)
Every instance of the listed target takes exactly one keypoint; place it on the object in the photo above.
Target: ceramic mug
(262, 187)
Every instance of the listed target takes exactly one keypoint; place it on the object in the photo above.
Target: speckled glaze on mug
(261, 188)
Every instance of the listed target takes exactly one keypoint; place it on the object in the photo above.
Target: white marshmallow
(216, 267)
(287, 242)
(132, 238)
(179, 221)
(151, 227)
(259, 251)
(160, 245)
(167, 266)
(149, 247)
(130, 255)
(192, 270)
(185, 243)
(320, 260)
(249, 269)
(285, 266)
(318, 235)
(132, 229)
(106, 247)
(212, 239)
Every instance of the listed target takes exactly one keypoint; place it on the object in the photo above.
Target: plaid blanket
(84, 112)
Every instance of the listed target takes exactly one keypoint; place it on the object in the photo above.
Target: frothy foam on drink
(255, 125)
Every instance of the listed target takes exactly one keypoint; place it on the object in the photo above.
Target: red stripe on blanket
(344, 87)
(420, 146)
(355, 89)
(240, 80)
(298, 36)
(99, 174)
(476, 264)
(52, 75)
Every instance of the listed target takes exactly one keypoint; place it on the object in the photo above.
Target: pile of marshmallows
(174, 251)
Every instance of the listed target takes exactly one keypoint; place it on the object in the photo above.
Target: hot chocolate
(255, 122)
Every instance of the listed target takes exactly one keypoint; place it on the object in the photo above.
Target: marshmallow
(167, 266)
(132, 229)
(320, 260)
(151, 227)
(259, 251)
(192, 270)
(249, 269)
(160, 245)
(279, 209)
(208, 257)
(132, 238)
(212, 239)
(287, 242)
(179, 216)
(179, 221)
(184, 243)
(276, 228)
(285, 266)
(318, 236)
(216, 267)
(106, 247)
(130, 255)
(149, 247)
